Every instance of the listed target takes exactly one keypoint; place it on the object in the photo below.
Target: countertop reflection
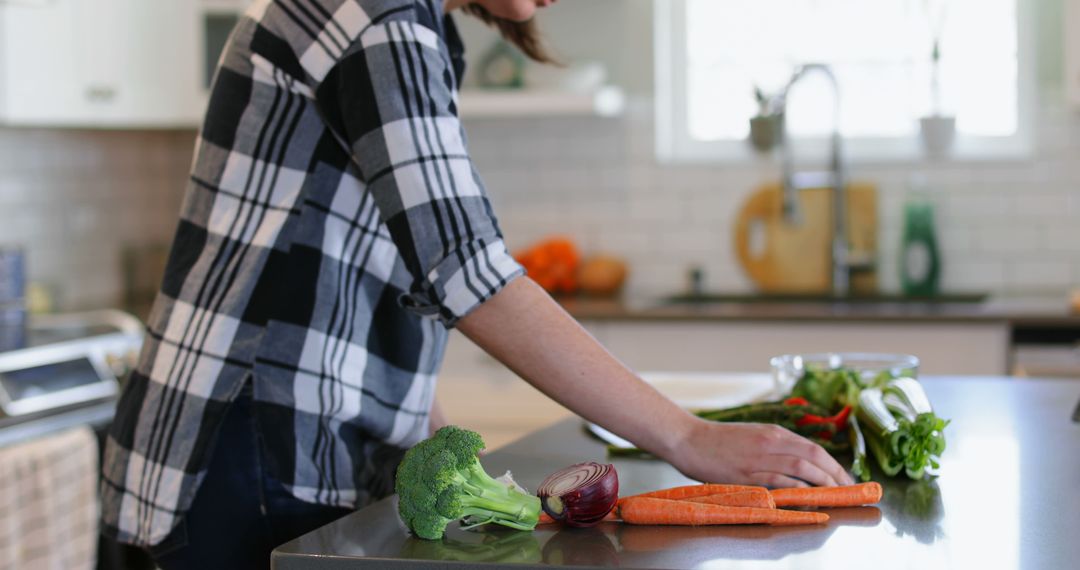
(1006, 498)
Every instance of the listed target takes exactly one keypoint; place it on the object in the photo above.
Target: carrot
(758, 498)
(649, 510)
(849, 496)
(689, 491)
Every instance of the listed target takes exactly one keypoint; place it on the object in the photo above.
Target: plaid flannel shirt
(333, 228)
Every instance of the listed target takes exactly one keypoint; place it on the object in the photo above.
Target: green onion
(858, 448)
(901, 428)
(882, 430)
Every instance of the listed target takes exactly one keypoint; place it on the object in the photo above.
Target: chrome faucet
(835, 178)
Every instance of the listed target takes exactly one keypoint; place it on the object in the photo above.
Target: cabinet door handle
(100, 93)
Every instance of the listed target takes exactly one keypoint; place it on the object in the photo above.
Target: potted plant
(765, 127)
(938, 129)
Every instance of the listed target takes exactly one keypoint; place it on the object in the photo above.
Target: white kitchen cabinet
(99, 63)
(943, 348)
(970, 348)
(478, 392)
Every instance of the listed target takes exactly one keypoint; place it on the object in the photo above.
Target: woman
(333, 230)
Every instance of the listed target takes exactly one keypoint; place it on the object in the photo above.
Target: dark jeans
(240, 512)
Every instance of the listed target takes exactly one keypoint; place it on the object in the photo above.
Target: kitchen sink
(740, 298)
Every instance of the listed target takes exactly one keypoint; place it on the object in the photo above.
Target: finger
(801, 447)
(799, 468)
(775, 480)
(829, 464)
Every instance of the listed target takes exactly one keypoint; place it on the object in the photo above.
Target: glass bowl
(789, 368)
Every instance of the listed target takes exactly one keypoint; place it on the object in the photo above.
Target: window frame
(674, 144)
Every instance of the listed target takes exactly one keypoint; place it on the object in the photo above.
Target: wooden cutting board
(785, 257)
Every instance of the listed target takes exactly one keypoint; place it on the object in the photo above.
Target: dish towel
(49, 503)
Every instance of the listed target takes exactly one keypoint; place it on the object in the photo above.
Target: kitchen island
(1006, 498)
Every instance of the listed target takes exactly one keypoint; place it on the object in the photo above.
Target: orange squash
(553, 264)
(602, 275)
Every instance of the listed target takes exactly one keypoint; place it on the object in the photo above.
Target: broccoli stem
(493, 501)
(482, 484)
(514, 509)
(514, 505)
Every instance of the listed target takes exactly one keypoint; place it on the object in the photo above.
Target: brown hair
(524, 35)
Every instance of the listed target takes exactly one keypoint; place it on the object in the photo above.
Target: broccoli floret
(440, 480)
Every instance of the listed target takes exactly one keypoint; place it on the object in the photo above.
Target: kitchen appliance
(70, 361)
(784, 256)
(66, 378)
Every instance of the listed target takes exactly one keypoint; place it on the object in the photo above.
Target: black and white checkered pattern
(333, 228)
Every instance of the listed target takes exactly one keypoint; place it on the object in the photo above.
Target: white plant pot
(938, 133)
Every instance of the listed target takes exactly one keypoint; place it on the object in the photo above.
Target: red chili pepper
(835, 423)
(796, 401)
(842, 417)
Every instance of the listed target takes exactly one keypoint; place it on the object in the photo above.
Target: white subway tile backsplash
(957, 240)
(653, 208)
(1040, 205)
(967, 274)
(1009, 239)
(1064, 238)
(1074, 205)
(1003, 227)
(1038, 276)
(970, 207)
(14, 191)
(74, 199)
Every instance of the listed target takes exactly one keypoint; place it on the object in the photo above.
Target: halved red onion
(581, 494)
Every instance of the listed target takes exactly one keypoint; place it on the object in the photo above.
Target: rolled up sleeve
(392, 99)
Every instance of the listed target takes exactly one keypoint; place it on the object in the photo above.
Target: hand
(755, 454)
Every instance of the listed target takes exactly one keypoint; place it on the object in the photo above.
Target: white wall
(1005, 226)
(76, 199)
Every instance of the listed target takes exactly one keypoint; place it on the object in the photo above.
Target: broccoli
(441, 480)
(504, 548)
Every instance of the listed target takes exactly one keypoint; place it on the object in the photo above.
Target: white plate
(701, 390)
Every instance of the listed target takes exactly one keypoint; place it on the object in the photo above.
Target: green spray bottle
(920, 257)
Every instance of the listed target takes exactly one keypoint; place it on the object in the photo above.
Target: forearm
(525, 329)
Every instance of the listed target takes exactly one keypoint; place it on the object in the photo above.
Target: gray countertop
(1052, 312)
(1006, 498)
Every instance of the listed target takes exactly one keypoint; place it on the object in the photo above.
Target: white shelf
(607, 101)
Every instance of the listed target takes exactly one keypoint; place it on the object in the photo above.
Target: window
(712, 54)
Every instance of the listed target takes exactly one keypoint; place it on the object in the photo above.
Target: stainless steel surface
(835, 178)
(61, 327)
(1006, 498)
